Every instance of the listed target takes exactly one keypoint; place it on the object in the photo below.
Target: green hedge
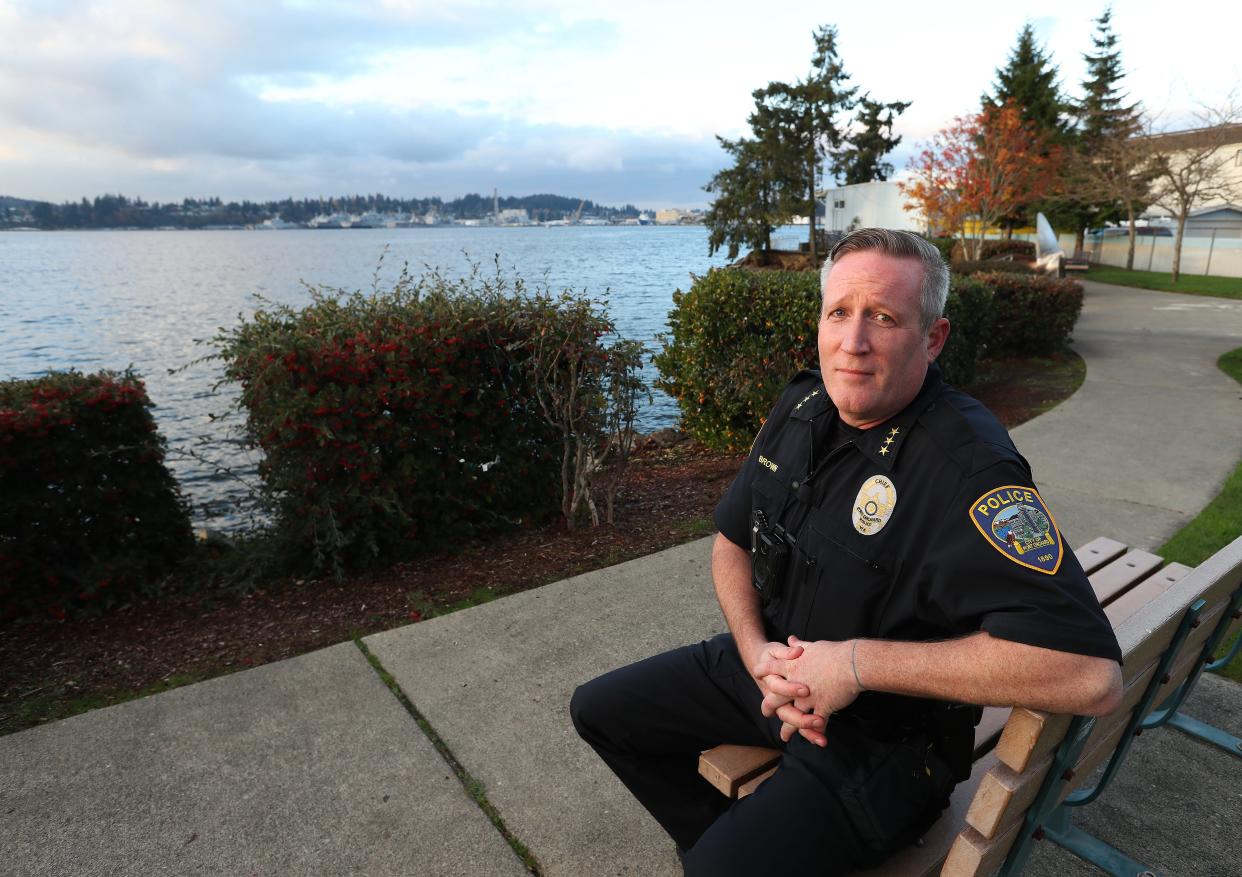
(969, 310)
(409, 420)
(1031, 316)
(735, 339)
(90, 517)
(737, 336)
(944, 245)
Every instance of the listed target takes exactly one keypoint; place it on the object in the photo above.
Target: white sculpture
(1049, 256)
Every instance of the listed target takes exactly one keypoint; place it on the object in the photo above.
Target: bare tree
(1117, 170)
(588, 391)
(1190, 166)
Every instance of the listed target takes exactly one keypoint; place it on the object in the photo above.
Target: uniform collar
(882, 443)
(814, 403)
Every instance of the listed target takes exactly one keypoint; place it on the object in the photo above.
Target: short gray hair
(904, 245)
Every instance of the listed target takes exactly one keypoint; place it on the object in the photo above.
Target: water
(92, 300)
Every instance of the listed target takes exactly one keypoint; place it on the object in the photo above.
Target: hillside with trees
(119, 211)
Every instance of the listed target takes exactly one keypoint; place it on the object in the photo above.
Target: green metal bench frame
(1046, 819)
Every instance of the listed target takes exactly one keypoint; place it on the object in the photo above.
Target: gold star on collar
(883, 450)
(892, 432)
(808, 397)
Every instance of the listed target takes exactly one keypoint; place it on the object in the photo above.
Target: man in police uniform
(883, 559)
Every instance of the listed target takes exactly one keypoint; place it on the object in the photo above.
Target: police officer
(883, 560)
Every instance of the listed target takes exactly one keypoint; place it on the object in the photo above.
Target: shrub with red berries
(405, 421)
(90, 516)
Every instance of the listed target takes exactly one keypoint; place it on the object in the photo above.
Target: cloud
(173, 81)
(235, 82)
(166, 98)
(264, 100)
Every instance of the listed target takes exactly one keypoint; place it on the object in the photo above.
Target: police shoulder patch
(1016, 523)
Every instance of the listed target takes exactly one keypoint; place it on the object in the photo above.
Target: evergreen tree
(1109, 173)
(795, 127)
(1029, 80)
(746, 208)
(1103, 112)
(811, 130)
(864, 161)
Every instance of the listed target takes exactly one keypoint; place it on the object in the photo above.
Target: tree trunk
(811, 218)
(1080, 242)
(567, 484)
(1177, 242)
(766, 241)
(1133, 236)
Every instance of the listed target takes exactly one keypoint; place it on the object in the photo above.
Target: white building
(514, 216)
(671, 216)
(869, 205)
(1219, 213)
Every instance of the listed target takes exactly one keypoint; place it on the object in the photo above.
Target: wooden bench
(1170, 621)
(1076, 262)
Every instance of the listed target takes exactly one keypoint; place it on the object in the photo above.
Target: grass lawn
(1218, 524)
(1191, 284)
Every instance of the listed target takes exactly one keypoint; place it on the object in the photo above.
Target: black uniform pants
(832, 810)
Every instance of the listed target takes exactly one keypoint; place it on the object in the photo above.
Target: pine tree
(745, 210)
(795, 127)
(1110, 172)
(1029, 80)
(1103, 112)
(806, 116)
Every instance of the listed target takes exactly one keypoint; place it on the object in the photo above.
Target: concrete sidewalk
(312, 766)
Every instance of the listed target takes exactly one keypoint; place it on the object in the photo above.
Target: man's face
(873, 351)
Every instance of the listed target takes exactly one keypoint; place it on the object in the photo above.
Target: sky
(618, 103)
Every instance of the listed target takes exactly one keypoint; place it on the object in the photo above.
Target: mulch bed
(47, 670)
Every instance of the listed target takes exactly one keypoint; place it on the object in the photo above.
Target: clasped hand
(804, 683)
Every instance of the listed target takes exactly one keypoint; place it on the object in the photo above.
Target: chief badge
(874, 505)
(1016, 523)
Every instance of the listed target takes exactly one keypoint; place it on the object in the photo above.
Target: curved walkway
(312, 766)
(1156, 427)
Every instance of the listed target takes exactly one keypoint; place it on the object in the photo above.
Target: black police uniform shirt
(925, 527)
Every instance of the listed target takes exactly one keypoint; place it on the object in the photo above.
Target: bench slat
(1140, 595)
(1125, 572)
(973, 855)
(1098, 552)
(727, 767)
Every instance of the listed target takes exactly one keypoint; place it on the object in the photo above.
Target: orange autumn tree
(978, 170)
